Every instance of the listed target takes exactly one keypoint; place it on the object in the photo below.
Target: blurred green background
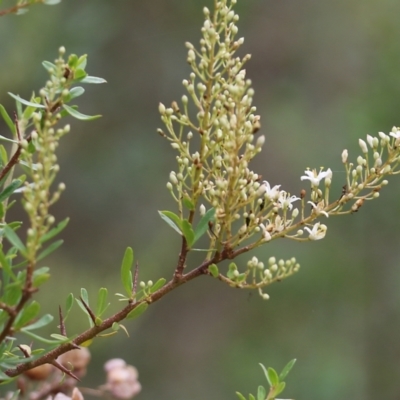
(325, 74)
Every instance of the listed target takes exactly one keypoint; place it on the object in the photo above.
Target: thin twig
(63, 330)
(89, 310)
(15, 9)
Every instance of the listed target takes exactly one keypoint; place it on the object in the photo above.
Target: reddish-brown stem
(89, 310)
(14, 9)
(13, 160)
(63, 330)
(107, 323)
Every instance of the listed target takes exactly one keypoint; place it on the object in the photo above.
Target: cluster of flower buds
(248, 210)
(257, 275)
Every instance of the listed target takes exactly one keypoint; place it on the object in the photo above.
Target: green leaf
(76, 114)
(251, 397)
(7, 119)
(231, 274)
(6, 265)
(28, 313)
(115, 326)
(188, 203)
(40, 276)
(273, 378)
(72, 60)
(6, 139)
(39, 338)
(241, 397)
(140, 309)
(45, 320)
(51, 2)
(102, 304)
(60, 338)
(14, 240)
(93, 79)
(85, 296)
(28, 112)
(12, 293)
(126, 274)
(69, 303)
(82, 61)
(286, 369)
(79, 73)
(26, 102)
(261, 393)
(53, 247)
(188, 232)
(280, 388)
(10, 189)
(202, 226)
(76, 92)
(54, 231)
(213, 270)
(172, 220)
(49, 66)
(158, 285)
(3, 155)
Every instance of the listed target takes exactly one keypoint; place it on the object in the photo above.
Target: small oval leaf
(139, 310)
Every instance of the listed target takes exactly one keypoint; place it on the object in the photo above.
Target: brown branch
(107, 323)
(92, 332)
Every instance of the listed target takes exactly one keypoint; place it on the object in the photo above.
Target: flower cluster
(216, 145)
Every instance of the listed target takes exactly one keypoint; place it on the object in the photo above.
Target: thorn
(63, 330)
(65, 370)
(88, 309)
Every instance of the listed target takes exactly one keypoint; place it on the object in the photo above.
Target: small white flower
(271, 193)
(396, 134)
(285, 200)
(279, 224)
(319, 208)
(315, 177)
(266, 234)
(317, 232)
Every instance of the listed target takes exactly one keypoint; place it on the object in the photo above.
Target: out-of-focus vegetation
(325, 73)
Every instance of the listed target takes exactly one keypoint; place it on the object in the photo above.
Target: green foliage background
(325, 74)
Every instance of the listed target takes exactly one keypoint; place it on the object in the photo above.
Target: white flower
(315, 177)
(317, 232)
(396, 134)
(285, 200)
(279, 224)
(271, 193)
(319, 208)
(266, 234)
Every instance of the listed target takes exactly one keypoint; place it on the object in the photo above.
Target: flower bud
(363, 146)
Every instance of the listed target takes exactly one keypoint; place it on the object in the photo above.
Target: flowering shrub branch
(223, 207)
